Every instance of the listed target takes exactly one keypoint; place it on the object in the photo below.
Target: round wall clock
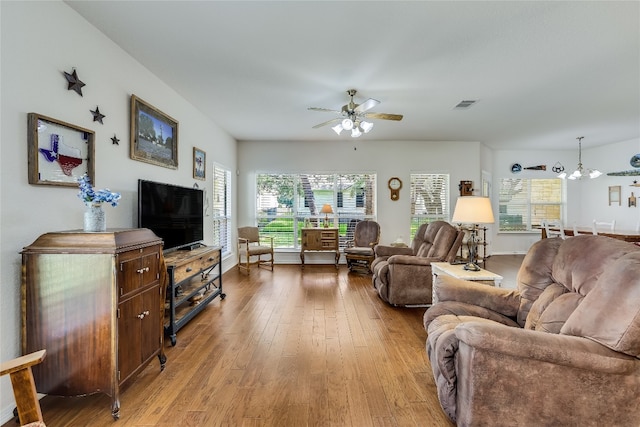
(395, 184)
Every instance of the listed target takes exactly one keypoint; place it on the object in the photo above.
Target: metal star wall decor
(74, 82)
(97, 116)
(115, 140)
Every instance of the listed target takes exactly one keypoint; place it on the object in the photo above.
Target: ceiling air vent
(464, 104)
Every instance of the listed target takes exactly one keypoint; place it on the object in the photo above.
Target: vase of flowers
(94, 216)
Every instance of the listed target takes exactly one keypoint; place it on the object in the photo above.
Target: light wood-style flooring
(312, 347)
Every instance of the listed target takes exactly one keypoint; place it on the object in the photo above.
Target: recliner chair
(402, 276)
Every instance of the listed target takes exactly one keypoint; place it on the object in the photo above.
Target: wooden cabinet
(195, 279)
(94, 301)
(320, 239)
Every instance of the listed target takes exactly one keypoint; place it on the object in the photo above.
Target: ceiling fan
(352, 116)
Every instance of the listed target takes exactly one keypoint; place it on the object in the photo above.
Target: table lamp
(473, 210)
(326, 210)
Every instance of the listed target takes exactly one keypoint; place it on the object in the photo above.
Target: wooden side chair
(24, 387)
(548, 225)
(606, 226)
(359, 251)
(250, 246)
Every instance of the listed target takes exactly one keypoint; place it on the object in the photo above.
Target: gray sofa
(563, 349)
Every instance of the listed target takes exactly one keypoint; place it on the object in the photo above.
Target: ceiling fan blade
(326, 110)
(384, 116)
(328, 122)
(366, 105)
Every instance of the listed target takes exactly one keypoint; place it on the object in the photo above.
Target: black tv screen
(173, 213)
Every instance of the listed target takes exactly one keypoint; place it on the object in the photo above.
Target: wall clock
(395, 184)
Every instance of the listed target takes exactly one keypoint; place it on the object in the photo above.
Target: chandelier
(354, 124)
(580, 172)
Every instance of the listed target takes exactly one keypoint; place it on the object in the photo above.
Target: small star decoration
(115, 140)
(97, 116)
(74, 82)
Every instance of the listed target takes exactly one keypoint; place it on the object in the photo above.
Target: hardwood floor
(289, 348)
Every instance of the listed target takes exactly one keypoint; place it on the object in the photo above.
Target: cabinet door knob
(143, 270)
(140, 316)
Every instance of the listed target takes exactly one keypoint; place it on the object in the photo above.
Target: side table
(458, 271)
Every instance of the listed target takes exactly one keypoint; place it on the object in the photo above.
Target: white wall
(594, 202)
(39, 41)
(385, 158)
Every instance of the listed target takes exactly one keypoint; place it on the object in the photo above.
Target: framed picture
(199, 164)
(59, 153)
(614, 195)
(154, 135)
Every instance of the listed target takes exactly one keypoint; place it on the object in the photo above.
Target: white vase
(94, 218)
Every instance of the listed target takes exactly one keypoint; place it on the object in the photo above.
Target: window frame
(530, 207)
(444, 194)
(221, 218)
(336, 189)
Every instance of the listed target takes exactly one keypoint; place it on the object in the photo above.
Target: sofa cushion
(557, 313)
(539, 306)
(610, 313)
(535, 274)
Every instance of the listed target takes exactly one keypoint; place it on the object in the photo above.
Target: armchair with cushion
(359, 251)
(252, 245)
(402, 276)
(562, 349)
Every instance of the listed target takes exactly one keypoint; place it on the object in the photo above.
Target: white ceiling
(543, 73)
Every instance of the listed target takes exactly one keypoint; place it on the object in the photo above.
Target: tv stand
(195, 279)
(191, 247)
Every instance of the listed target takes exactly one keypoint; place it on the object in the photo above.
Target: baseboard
(6, 414)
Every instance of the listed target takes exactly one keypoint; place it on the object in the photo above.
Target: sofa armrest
(387, 251)
(500, 300)
(564, 350)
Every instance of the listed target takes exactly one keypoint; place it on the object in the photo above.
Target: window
(222, 209)
(429, 199)
(287, 202)
(524, 203)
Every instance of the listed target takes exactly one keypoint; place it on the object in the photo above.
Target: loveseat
(563, 349)
(402, 275)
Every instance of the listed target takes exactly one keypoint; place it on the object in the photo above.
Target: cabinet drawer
(195, 266)
(138, 269)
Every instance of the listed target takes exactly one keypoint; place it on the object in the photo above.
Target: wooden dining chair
(603, 225)
(24, 387)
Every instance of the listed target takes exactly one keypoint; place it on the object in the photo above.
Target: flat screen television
(173, 213)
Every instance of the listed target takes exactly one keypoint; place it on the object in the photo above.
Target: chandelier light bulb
(594, 173)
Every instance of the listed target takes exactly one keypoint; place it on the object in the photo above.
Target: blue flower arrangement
(88, 195)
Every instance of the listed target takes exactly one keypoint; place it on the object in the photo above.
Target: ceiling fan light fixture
(366, 126)
(347, 124)
(338, 128)
(355, 132)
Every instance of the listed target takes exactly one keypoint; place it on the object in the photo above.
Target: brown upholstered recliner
(402, 276)
(561, 350)
(359, 251)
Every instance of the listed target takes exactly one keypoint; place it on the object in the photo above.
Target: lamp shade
(473, 210)
(326, 209)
